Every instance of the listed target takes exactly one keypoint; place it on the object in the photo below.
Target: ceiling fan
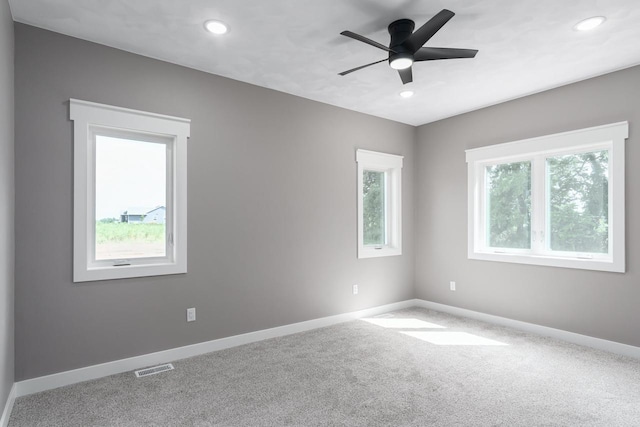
(406, 46)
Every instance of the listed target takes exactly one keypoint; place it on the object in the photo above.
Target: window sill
(376, 253)
(551, 261)
(127, 271)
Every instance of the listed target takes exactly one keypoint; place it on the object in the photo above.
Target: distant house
(156, 216)
(139, 215)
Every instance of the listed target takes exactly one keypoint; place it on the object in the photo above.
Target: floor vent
(154, 370)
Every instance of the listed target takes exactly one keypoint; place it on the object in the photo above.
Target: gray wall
(272, 209)
(598, 304)
(6, 203)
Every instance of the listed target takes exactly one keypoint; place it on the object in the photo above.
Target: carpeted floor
(382, 372)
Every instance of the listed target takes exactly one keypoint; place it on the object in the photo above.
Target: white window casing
(391, 166)
(536, 150)
(91, 119)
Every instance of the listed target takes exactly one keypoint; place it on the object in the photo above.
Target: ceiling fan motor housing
(400, 31)
(407, 46)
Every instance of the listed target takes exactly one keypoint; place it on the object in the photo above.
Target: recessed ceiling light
(216, 27)
(589, 23)
(406, 93)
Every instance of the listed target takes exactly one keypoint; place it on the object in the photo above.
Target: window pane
(578, 202)
(508, 210)
(374, 212)
(130, 198)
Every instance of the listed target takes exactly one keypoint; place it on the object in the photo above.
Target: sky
(128, 174)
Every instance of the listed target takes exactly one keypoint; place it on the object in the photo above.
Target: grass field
(124, 232)
(118, 240)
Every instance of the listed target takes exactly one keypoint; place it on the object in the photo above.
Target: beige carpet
(412, 367)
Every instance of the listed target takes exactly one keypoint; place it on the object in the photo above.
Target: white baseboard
(35, 385)
(585, 340)
(61, 379)
(4, 420)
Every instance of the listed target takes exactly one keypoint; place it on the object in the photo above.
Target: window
(379, 204)
(130, 192)
(556, 200)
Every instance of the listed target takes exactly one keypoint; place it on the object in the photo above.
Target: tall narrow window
(374, 208)
(379, 204)
(557, 200)
(129, 193)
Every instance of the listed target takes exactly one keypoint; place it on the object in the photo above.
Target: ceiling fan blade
(406, 75)
(424, 33)
(366, 40)
(344, 73)
(433, 53)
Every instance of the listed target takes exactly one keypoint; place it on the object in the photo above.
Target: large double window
(130, 192)
(557, 200)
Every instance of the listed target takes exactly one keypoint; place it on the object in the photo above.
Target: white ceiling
(294, 46)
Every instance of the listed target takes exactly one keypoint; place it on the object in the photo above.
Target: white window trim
(392, 165)
(611, 137)
(89, 115)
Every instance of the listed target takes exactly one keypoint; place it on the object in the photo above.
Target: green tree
(579, 202)
(509, 205)
(373, 208)
(108, 220)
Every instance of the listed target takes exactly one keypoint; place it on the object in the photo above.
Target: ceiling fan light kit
(401, 62)
(406, 46)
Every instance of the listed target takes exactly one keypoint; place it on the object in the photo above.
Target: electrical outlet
(355, 289)
(452, 286)
(191, 314)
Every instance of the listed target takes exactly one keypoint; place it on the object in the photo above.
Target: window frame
(91, 119)
(391, 165)
(607, 137)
